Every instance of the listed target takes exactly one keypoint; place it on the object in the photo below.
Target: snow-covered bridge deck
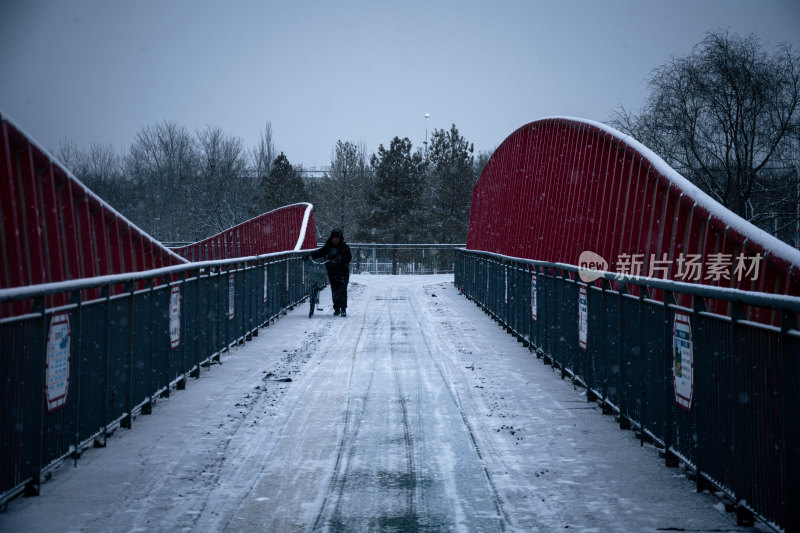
(416, 412)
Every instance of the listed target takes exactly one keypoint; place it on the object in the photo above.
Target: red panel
(114, 244)
(572, 166)
(558, 186)
(51, 228)
(52, 219)
(606, 185)
(101, 241)
(72, 243)
(33, 224)
(12, 227)
(274, 231)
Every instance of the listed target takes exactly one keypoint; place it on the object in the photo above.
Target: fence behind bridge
(72, 373)
(719, 393)
(370, 258)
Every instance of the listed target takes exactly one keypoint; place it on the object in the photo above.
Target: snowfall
(416, 412)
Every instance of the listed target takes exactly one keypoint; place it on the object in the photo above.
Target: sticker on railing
(683, 361)
(533, 296)
(230, 296)
(175, 317)
(583, 318)
(57, 370)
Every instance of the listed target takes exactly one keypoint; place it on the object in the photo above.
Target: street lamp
(427, 116)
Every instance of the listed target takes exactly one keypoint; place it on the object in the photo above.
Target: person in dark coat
(337, 253)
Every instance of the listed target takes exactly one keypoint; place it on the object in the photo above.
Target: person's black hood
(337, 232)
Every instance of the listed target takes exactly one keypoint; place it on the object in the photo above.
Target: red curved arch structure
(286, 228)
(53, 228)
(560, 186)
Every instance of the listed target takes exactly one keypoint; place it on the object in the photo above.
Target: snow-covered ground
(416, 412)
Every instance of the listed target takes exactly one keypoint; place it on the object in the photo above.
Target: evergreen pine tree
(396, 198)
(451, 168)
(282, 186)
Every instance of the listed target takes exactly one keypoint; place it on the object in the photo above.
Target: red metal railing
(558, 187)
(284, 229)
(53, 228)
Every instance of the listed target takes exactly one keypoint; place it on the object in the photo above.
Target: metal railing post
(35, 431)
(127, 421)
(741, 402)
(790, 396)
(622, 385)
(670, 460)
(100, 440)
(75, 298)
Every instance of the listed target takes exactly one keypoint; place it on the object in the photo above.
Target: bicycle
(318, 278)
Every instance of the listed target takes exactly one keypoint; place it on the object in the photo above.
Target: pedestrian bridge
(416, 412)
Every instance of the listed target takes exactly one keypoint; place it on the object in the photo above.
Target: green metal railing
(727, 404)
(70, 375)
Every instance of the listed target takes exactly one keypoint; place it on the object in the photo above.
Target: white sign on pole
(683, 361)
(57, 364)
(230, 295)
(533, 296)
(175, 317)
(583, 318)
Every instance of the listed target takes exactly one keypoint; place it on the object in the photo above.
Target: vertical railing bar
(790, 405)
(127, 422)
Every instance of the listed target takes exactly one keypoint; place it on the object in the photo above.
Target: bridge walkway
(416, 412)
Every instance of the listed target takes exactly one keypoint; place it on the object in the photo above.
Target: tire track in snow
(336, 485)
(407, 438)
(453, 393)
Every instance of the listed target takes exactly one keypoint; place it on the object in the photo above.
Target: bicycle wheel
(312, 299)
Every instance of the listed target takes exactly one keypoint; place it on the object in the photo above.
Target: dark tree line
(183, 187)
(401, 195)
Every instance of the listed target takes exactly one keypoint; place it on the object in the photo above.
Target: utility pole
(427, 116)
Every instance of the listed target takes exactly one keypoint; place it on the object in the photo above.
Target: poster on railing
(683, 360)
(175, 317)
(533, 296)
(230, 296)
(583, 318)
(57, 374)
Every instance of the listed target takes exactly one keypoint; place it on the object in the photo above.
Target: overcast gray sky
(91, 70)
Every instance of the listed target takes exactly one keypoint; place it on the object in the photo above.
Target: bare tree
(162, 164)
(69, 155)
(722, 116)
(263, 156)
(225, 190)
(339, 195)
(100, 168)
